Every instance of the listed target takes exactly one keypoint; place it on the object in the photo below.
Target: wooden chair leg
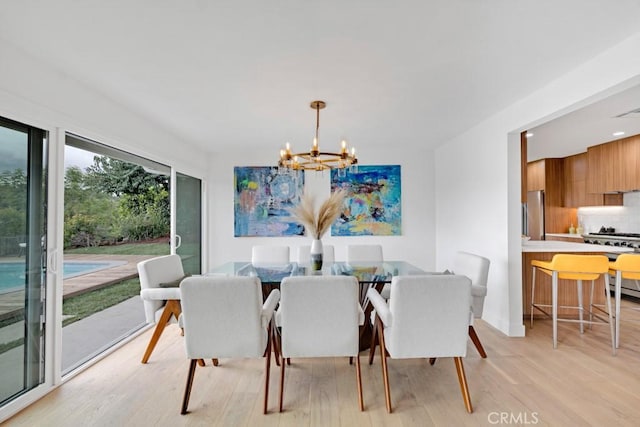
(463, 384)
(267, 369)
(359, 379)
(374, 340)
(385, 370)
(276, 345)
(171, 308)
(187, 390)
(282, 365)
(476, 342)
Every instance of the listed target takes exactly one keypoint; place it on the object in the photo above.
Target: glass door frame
(175, 238)
(53, 263)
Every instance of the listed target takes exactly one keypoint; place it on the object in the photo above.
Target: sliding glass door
(189, 222)
(23, 208)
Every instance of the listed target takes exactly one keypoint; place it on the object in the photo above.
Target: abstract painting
(263, 198)
(372, 206)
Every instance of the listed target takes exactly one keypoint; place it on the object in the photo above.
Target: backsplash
(625, 219)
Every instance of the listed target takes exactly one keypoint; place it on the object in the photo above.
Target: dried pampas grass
(317, 224)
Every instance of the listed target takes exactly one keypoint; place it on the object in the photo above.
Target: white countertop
(558, 246)
(568, 235)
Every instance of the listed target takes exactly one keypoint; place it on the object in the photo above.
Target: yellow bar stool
(578, 268)
(626, 266)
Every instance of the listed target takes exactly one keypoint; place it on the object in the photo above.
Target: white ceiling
(241, 74)
(591, 125)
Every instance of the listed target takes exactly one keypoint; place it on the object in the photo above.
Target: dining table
(369, 275)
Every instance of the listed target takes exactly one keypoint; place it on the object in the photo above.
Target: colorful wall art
(372, 206)
(262, 201)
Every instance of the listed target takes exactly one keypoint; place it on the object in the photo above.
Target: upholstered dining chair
(269, 254)
(319, 316)
(367, 253)
(426, 316)
(363, 253)
(224, 317)
(161, 304)
(476, 268)
(304, 254)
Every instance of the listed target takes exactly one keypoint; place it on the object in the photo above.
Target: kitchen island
(544, 250)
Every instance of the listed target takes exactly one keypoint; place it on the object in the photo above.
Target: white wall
(478, 177)
(36, 94)
(416, 244)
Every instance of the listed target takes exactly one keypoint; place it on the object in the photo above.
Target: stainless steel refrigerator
(533, 215)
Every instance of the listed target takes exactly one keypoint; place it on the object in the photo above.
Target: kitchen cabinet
(613, 166)
(548, 175)
(535, 175)
(575, 185)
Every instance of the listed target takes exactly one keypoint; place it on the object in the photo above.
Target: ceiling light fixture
(619, 133)
(529, 134)
(315, 159)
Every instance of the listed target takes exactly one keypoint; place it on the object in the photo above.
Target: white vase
(316, 254)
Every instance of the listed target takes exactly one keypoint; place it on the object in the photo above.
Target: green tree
(88, 215)
(144, 206)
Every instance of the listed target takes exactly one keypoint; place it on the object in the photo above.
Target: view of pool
(12, 273)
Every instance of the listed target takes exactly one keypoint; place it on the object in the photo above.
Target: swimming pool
(12, 273)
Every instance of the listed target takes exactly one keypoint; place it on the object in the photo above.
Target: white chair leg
(580, 307)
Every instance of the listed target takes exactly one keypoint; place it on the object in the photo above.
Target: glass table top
(365, 272)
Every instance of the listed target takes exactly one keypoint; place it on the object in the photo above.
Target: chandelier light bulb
(315, 159)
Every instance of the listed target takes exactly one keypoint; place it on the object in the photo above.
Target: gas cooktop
(635, 235)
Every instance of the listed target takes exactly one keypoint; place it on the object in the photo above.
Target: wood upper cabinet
(575, 185)
(629, 154)
(613, 166)
(548, 175)
(536, 175)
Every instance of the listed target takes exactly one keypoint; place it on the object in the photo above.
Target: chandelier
(315, 159)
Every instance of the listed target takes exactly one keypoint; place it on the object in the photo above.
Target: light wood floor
(524, 381)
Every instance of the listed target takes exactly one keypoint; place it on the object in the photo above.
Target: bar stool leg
(608, 289)
(533, 291)
(580, 307)
(618, 290)
(554, 307)
(593, 283)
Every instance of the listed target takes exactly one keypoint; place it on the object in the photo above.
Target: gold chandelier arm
(316, 159)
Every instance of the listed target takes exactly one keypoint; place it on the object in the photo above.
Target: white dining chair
(269, 254)
(476, 268)
(161, 304)
(364, 253)
(304, 254)
(224, 317)
(319, 316)
(426, 317)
